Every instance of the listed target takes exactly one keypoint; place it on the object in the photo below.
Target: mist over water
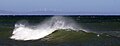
(24, 31)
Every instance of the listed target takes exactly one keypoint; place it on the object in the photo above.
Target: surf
(24, 31)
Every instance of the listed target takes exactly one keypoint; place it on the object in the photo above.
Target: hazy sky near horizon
(61, 5)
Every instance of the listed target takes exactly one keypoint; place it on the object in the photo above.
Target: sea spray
(24, 31)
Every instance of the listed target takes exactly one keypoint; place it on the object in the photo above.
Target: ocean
(91, 30)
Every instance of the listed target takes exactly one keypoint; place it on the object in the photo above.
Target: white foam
(98, 35)
(23, 32)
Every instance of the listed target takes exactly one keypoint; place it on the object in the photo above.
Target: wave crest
(27, 32)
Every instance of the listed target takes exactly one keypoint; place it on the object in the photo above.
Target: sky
(61, 5)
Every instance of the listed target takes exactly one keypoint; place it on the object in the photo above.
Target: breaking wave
(24, 31)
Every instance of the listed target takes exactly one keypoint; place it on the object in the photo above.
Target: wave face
(24, 31)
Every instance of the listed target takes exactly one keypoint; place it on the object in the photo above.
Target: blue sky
(61, 5)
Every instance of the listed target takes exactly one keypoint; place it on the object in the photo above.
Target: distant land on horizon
(4, 12)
